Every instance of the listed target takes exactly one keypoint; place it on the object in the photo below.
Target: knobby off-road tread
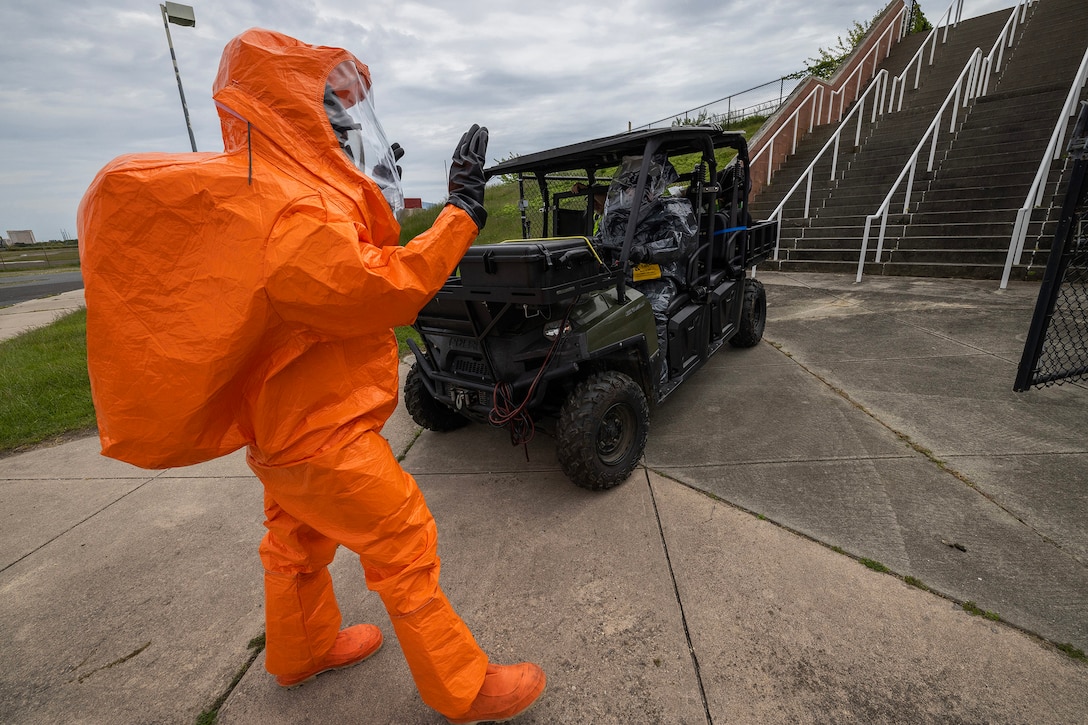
(753, 316)
(576, 432)
(425, 410)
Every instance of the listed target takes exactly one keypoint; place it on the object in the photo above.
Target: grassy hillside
(503, 217)
(501, 199)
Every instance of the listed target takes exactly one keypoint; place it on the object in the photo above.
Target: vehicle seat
(569, 223)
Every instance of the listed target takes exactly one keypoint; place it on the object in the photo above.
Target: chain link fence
(1056, 350)
(555, 204)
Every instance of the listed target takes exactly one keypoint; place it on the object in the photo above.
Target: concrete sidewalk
(18, 318)
(722, 583)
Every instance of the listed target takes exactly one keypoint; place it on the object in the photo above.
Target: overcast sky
(82, 82)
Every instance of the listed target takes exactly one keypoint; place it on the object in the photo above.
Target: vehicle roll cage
(607, 152)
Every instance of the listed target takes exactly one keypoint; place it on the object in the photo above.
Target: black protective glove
(398, 151)
(382, 173)
(467, 174)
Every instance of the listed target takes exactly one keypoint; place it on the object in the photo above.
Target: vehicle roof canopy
(610, 150)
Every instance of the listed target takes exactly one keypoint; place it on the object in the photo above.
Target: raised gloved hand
(467, 174)
(398, 151)
(382, 173)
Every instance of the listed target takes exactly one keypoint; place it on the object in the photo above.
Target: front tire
(602, 430)
(753, 315)
(424, 409)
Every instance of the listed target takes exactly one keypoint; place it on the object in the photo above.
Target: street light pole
(179, 15)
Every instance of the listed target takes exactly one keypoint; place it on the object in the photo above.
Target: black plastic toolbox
(532, 272)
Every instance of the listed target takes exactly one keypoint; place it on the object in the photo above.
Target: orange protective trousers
(357, 495)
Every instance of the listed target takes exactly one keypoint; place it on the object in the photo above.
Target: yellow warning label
(643, 272)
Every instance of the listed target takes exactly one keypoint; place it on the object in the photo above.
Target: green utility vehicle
(631, 274)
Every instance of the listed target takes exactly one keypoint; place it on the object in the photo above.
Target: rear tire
(602, 430)
(425, 410)
(753, 315)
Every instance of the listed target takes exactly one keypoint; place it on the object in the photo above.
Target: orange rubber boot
(508, 691)
(352, 646)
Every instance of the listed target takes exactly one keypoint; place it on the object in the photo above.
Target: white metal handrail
(1053, 153)
(795, 118)
(1005, 38)
(900, 82)
(962, 92)
(876, 89)
(896, 25)
(731, 113)
(814, 101)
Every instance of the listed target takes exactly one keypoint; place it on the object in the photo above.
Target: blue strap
(730, 229)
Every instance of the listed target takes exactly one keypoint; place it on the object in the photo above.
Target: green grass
(875, 565)
(503, 217)
(974, 610)
(44, 389)
(1075, 653)
(403, 334)
(914, 582)
(211, 715)
(45, 393)
(50, 255)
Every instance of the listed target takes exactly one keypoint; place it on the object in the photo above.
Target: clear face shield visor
(349, 105)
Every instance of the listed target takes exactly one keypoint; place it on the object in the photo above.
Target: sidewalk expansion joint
(780, 461)
(968, 606)
(921, 450)
(255, 646)
(80, 523)
(679, 601)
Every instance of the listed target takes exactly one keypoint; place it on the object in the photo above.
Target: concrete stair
(960, 217)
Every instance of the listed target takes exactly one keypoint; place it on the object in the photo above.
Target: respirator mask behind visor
(349, 105)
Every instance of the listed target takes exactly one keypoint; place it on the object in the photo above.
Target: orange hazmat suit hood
(272, 85)
(248, 297)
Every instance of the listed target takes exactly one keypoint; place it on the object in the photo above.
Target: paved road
(32, 286)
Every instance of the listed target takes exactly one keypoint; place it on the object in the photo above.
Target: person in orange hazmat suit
(247, 299)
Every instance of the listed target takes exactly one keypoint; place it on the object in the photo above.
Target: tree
(828, 60)
(919, 23)
(700, 120)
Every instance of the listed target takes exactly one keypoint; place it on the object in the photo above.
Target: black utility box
(533, 272)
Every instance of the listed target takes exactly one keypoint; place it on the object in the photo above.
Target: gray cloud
(84, 83)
